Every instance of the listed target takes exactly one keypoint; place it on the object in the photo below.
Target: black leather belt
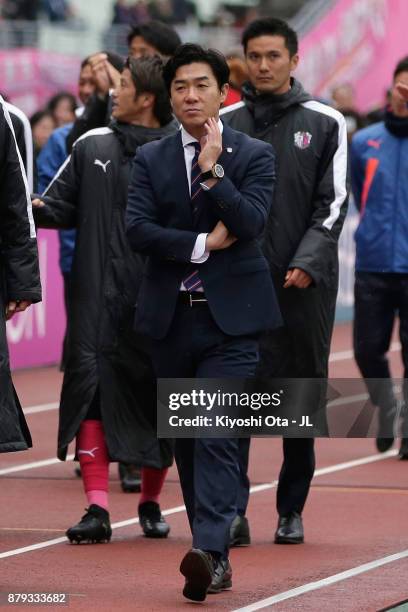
(195, 298)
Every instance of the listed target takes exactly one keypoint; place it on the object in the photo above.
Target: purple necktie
(192, 281)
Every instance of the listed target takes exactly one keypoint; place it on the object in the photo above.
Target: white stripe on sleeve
(23, 174)
(28, 139)
(95, 132)
(339, 161)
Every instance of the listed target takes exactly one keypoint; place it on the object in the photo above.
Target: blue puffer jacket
(379, 172)
(49, 161)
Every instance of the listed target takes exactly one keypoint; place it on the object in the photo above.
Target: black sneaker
(152, 521)
(94, 527)
(130, 478)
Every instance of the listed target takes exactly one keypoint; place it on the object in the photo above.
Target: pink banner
(358, 42)
(29, 77)
(35, 336)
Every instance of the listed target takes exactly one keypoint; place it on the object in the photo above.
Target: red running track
(355, 557)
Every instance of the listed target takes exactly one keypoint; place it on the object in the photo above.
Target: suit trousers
(195, 347)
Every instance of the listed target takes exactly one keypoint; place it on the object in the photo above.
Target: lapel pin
(229, 150)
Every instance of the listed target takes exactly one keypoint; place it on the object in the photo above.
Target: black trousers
(379, 299)
(299, 349)
(208, 467)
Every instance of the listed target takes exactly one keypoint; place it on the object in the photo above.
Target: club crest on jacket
(302, 139)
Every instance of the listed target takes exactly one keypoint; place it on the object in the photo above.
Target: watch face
(218, 171)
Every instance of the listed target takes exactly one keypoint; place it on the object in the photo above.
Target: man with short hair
(198, 204)
(19, 274)
(379, 171)
(300, 242)
(153, 38)
(108, 393)
(102, 71)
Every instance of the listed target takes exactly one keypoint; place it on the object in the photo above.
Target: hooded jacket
(310, 202)
(104, 354)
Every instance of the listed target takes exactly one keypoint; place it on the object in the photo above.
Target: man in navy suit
(198, 203)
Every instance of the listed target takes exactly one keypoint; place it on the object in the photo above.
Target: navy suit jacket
(237, 281)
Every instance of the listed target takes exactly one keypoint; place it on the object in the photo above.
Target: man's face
(398, 103)
(86, 86)
(195, 95)
(140, 48)
(269, 64)
(126, 103)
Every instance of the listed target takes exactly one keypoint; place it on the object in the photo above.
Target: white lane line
(62, 540)
(41, 408)
(45, 462)
(319, 584)
(345, 355)
(336, 356)
(55, 405)
(31, 466)
(255, 489)
(350, 399)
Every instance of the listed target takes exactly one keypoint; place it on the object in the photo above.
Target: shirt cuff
(199, 254)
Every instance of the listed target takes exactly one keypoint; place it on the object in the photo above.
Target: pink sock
(152, 484)
(94, 461)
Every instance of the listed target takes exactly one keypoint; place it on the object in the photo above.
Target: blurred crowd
(168, 11)
(63, 107)
(30, 10)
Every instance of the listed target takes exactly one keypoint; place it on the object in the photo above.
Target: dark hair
(147, 76)
(191, 54)
(402, 66)
(270, 26)
(39, 116)
(159, 35)
(116, 60)
(55, 100)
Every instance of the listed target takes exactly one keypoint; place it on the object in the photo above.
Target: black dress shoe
(290, 529)
(403, 451)
(204, 574)
(386, 426)
(222, 576)
(130, 478)
(94, 527)
(239, 532)
(152, 521)
(197, 568)
(384, 444)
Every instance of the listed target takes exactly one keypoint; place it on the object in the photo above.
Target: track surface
(355, 557)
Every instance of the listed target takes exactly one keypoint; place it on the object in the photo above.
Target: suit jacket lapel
(229, 147)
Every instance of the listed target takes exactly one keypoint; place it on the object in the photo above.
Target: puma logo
(98, 162)
(91, 452)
